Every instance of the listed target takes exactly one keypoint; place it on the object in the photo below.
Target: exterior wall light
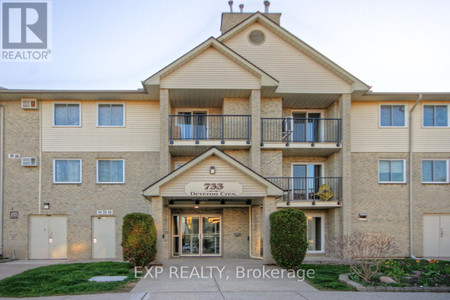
(95, 240)
(212, 170)
(46, 205)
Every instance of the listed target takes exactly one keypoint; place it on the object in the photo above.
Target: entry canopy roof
(228, 171)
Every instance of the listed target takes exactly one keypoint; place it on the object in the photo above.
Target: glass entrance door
(199, 235)
(190, 235)
(307, 127)
(211, 236)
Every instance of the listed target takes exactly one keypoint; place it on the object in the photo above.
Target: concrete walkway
(216, 278)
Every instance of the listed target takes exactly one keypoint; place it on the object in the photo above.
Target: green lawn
(66, 279)
(326, 277)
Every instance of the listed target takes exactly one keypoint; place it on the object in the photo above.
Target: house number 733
(213, 186)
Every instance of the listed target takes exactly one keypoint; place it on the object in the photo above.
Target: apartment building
(244, 124)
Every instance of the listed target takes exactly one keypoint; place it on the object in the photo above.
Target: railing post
(171, 130)
(288, 129)
(249, 128)
(196, 130)
(223, 129)
(262, 132)
(290, 193)
(313, 138)
(339, 133)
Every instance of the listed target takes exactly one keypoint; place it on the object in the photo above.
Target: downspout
(40, 159)
(250, 234)
(2, 131)
(411, 252)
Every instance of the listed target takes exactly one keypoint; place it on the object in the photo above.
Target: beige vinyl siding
(141, 131)
(224, 173)
(211, 69)
(296, 72)
(368, 136)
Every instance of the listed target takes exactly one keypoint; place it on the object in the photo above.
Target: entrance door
(48, 237)
(306, 180)
(307, 127)
(436, 235)
(193, 125)
(199, 235)
(103, 237)
(315, 233)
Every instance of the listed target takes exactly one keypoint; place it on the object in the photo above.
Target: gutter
(410, 150)
(2, 131)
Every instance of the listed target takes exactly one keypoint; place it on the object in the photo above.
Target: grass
(326, 277)
(66, 279)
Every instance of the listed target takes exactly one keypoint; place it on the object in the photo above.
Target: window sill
(110, 183)
(433, 183)
(71, 183)
(392, 182)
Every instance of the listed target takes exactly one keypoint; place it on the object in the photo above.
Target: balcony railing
(310, 188)
(294, 130)
(200, 127)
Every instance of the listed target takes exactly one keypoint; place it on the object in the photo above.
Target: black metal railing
(295, 130)
(199, 127)
(310, 188)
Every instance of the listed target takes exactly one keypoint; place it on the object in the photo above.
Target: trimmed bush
(288, 237)
(139, 239)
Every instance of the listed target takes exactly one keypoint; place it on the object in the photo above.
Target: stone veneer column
(269, 207)
(164, 157)
(255, 110)
(346, 162)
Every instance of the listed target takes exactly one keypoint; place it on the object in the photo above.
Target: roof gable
(226, 160)
(355, 83)
(266, 79)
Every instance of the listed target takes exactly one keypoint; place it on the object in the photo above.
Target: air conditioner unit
(30, 161)
(29, 104)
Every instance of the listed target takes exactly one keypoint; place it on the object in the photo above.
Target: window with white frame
(392, 115)
(110, 171)
(67, 171)
(391, 171)
(435, 115)
(434, 171)
(66, 114)
(111, 115)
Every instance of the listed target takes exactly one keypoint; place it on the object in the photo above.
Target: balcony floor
(307, 204)
(304, 149)
(190, 148)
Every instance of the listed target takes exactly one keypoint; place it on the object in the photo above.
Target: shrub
(364, 252)
(139, 239)
(288, 239)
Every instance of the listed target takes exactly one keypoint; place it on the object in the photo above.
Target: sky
(392, 45)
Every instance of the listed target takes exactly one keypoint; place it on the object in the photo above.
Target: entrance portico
(213, 206)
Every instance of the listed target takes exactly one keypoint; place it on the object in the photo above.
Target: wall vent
(29, 104)
(30, 161)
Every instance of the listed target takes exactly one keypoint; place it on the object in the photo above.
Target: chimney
(241, 7)
(266, 7)
(230, 3)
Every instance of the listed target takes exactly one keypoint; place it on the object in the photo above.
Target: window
(434, 171)
(67, 171)
(392, 116)
(391, 171)
(435, 115)
(67, 114)
(110, 171)
(111, 115)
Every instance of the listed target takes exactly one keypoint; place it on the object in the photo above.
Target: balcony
(312, 192)
(203, 131)
(301, 136)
